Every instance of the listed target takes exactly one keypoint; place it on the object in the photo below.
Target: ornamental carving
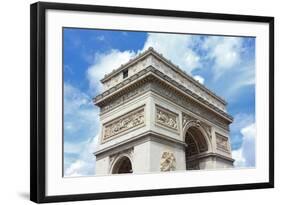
(187, 83)
(125, 98)
(167, 92)
(167, 78)
(222, 142)
(187, 118)
(128, 152)
(131, 120)
(166, 118)
(189, 104)
(168, 162)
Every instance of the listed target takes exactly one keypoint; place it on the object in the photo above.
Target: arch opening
(122, 166)
(196, 144)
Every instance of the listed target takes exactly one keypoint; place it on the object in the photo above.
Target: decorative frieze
(202, 92)
(167, 162)
(166, 91)
(133, 119)
(186, 118)
(222, 142)
(166, 118)
(125, 97)
(189, 104)
(143, 72)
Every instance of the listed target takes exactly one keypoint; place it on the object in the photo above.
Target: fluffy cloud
(177, 48)
(199, 78)
(104, 63)
(224, 51)
(243, 76)
(241, 120)
(79, 113)
(245, 156)
(183, 55)
(81, 122)
(220, 56)
(229, 57)
(85, 163)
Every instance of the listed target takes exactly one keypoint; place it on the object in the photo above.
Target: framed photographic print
(129, 102)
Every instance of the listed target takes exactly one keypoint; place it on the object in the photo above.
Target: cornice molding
(147, 75)
(144, 137)
(177, 69)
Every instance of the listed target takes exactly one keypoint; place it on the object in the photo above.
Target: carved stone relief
(207, 129)
(168, 79)
(166, 118)
(130, 120)
(167, 162)
(189, 104)
(222, 142)
(186, 118)
(128, 152)
(168, 71)
(167, 92)
(125, 97)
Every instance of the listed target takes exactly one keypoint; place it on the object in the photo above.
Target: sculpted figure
(168, 162)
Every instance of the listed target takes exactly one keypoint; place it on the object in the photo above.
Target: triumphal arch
(154, 117)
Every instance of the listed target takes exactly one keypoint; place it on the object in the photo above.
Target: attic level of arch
(122, 91)
(166, 119)
(158, 61)
(153, 80)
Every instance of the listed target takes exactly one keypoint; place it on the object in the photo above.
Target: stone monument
(154, 117)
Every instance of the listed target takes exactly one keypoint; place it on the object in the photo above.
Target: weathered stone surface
(160, 119)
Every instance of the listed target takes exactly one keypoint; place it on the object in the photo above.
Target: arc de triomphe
(154, 117)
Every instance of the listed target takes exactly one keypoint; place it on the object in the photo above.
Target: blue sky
(226, 65)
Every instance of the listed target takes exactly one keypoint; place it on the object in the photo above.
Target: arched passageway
(196, 144)
(122, 166)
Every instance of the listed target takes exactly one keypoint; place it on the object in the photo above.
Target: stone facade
(159, 119)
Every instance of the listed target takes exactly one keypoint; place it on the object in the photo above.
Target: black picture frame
(38, 100)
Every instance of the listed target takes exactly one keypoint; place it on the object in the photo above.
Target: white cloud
(176, 48)
(79, 112)
(239, 158)
(72, 148)
(231, 63)
(244, 76)
(225, 51)
(245, 156)
(104, 63)
(81, 122)
(73, 98)
(85, 164)
(199, 78)
(241, 120)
